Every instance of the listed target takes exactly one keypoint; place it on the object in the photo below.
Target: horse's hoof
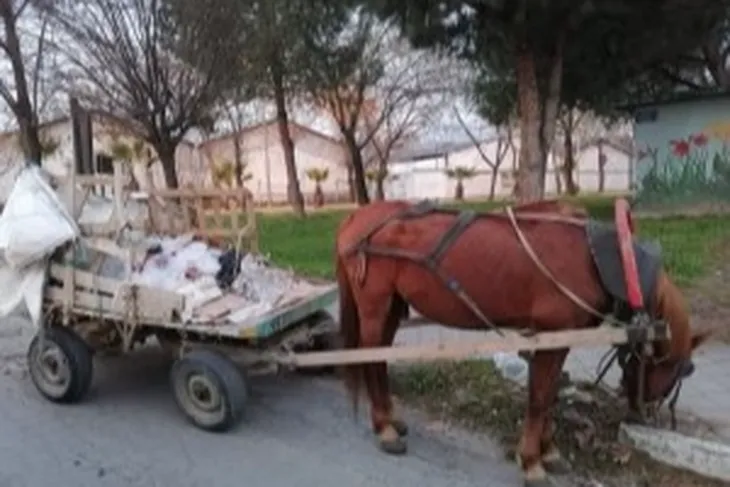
(557, 466)
(393, 447)
(391, 442)
(635, 417)
(400, 427)
(546, 482)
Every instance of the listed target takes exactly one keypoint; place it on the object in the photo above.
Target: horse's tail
(349, 331)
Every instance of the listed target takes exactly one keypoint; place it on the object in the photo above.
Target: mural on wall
(688, 171)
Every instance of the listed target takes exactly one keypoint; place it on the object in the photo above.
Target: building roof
(268, 122)
(678, 97)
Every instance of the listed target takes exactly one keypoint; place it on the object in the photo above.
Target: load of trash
(35, 222)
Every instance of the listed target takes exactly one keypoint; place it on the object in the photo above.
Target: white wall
(426, 178)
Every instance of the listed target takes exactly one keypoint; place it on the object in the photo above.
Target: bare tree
(375, 87)
(29, 90)
(504, 143)
(120, 58)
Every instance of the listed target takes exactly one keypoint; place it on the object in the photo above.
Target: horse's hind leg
(398, 310)
(375, 331)
(533, 454)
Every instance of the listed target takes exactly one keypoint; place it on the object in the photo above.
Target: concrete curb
(704, 457)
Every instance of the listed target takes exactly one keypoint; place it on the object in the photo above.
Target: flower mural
(690, 170)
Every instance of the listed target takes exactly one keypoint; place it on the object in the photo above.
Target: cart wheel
(329, 339)
(63, 369)
(209, 389)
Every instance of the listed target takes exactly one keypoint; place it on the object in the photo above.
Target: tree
(318, 175)
(121, 58)
(503, 145)
(374, 86)
(598, 52)
(459, 174)
(268, 56)
(30, 88)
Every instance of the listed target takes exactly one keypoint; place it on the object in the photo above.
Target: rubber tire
(323, 342)
(224, 374)
(80, 362)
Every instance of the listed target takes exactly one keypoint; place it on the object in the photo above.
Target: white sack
(22, 287)
(34, 221)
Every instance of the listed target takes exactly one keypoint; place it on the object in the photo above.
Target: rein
(613, 353)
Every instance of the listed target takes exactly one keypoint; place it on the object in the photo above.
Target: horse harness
(644, 328)
(432, 259)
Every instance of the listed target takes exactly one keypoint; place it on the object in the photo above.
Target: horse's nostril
(688, 368)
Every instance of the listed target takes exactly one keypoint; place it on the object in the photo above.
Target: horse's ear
(700, 338)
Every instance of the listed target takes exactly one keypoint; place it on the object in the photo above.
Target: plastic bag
(34, 221)
(511, 366)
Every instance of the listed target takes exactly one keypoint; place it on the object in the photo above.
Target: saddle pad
(604, 245)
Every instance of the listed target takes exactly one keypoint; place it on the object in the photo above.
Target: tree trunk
(351, 182)
(530, 180)
(558, 177)
(601, 168)
(294, 192)
(21, 107)
(538, 117)
(380, 180)
(459, 190)
(551, 102)
(358, 171)
(493, 183)
(167, 160)
(318, 195)
(237, 156)
(569, 162)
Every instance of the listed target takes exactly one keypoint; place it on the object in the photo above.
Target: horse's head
(650, 373)
(661, 372)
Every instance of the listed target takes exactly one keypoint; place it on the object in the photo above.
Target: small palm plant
(224, 172)
(49, 146)
(318, 176)
(121, 151)
(460, 173)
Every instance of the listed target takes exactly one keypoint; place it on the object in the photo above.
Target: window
(104, 164)
(646, 115)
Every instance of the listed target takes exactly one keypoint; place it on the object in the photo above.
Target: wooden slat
(512, 342)
(86, 279)
(216, 193)
(82, 299)
(152, 304)
(221, 307)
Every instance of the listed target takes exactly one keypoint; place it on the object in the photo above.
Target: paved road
(299, 431)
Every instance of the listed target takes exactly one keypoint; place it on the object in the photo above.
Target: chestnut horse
(478, 271)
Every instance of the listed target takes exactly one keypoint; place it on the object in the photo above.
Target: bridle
(641, 353)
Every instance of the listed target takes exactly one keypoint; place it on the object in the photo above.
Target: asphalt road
(299, 432)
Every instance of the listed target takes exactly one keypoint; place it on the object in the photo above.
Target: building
(683, 158)
(602, 165)
(262, 154)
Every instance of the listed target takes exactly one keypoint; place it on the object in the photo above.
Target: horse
(529, 267)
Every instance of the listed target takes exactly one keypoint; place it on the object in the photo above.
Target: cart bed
(229, 315)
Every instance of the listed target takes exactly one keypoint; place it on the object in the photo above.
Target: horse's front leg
(537, 451)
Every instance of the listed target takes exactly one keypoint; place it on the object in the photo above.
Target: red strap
(625, 229)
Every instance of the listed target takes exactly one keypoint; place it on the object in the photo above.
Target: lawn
(306, 245)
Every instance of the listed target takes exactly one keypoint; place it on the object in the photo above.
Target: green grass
(307, 244)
